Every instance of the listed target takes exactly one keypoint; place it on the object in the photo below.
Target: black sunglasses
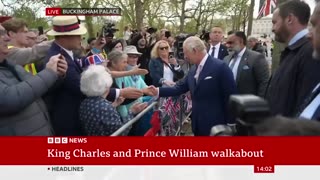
(133, 56)
(164, 48)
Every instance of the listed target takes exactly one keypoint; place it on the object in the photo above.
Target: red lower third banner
(263, 152)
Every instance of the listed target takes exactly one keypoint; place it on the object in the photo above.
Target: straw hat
(66, 25)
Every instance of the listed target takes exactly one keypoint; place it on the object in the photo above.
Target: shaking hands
(151, 91)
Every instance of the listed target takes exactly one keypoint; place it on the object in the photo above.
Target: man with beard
(311, 107)
(250, 68)
(298, 73)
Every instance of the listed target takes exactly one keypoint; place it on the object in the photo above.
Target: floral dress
(99, 118)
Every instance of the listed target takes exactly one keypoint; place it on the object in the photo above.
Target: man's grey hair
(253, 38)
(194, 42)
(95, 81)
(116, 55)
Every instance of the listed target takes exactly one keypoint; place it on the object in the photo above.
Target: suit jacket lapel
(316, 114)
(77, 63)
(191, 79)
(220, 52)
(228, 59)
(243, 62)
(69, 59)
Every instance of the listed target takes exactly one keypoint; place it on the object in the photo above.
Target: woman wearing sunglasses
(164, 70)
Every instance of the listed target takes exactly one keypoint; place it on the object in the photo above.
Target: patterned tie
(309, 99)
(213, 50)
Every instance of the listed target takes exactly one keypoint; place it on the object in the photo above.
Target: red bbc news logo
(57, 140)
(53, 11)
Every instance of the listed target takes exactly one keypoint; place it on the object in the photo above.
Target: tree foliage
(188, 16)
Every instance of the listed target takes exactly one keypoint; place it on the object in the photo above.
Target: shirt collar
(240, 54)
(217, 46)
(298, 36)
(203, 61)
(70, 53)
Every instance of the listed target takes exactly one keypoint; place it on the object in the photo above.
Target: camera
(167, 34)
(248, 110)
(205, 36)
(171, 54)
(179, 45)
(108, 30)
(152, 30)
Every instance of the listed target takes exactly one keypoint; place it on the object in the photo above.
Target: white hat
(66, 25)
(131, 50)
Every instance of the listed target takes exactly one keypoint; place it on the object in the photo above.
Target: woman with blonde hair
(164, 69)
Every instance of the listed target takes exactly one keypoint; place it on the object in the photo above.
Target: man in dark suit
(216, 49)
(250, 68)
(210, 82)
(311, 106)
(254, 45)
(298, 72)
(66, 97)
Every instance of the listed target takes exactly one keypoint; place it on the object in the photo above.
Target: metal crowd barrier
(177, 131)
(132, 121)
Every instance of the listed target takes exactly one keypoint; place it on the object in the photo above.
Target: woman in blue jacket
(164, 70)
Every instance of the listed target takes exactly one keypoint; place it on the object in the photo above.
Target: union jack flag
(94, 59)
(267, 8)
(171, 108)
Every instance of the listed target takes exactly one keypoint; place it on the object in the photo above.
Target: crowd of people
(57, 87)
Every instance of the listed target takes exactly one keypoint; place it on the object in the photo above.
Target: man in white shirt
(250, 68)
(210, 83)
(216, 49)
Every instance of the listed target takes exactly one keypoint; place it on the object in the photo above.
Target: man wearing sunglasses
(210, 82)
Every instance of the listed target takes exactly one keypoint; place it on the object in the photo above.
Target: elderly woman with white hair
(98, 116)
